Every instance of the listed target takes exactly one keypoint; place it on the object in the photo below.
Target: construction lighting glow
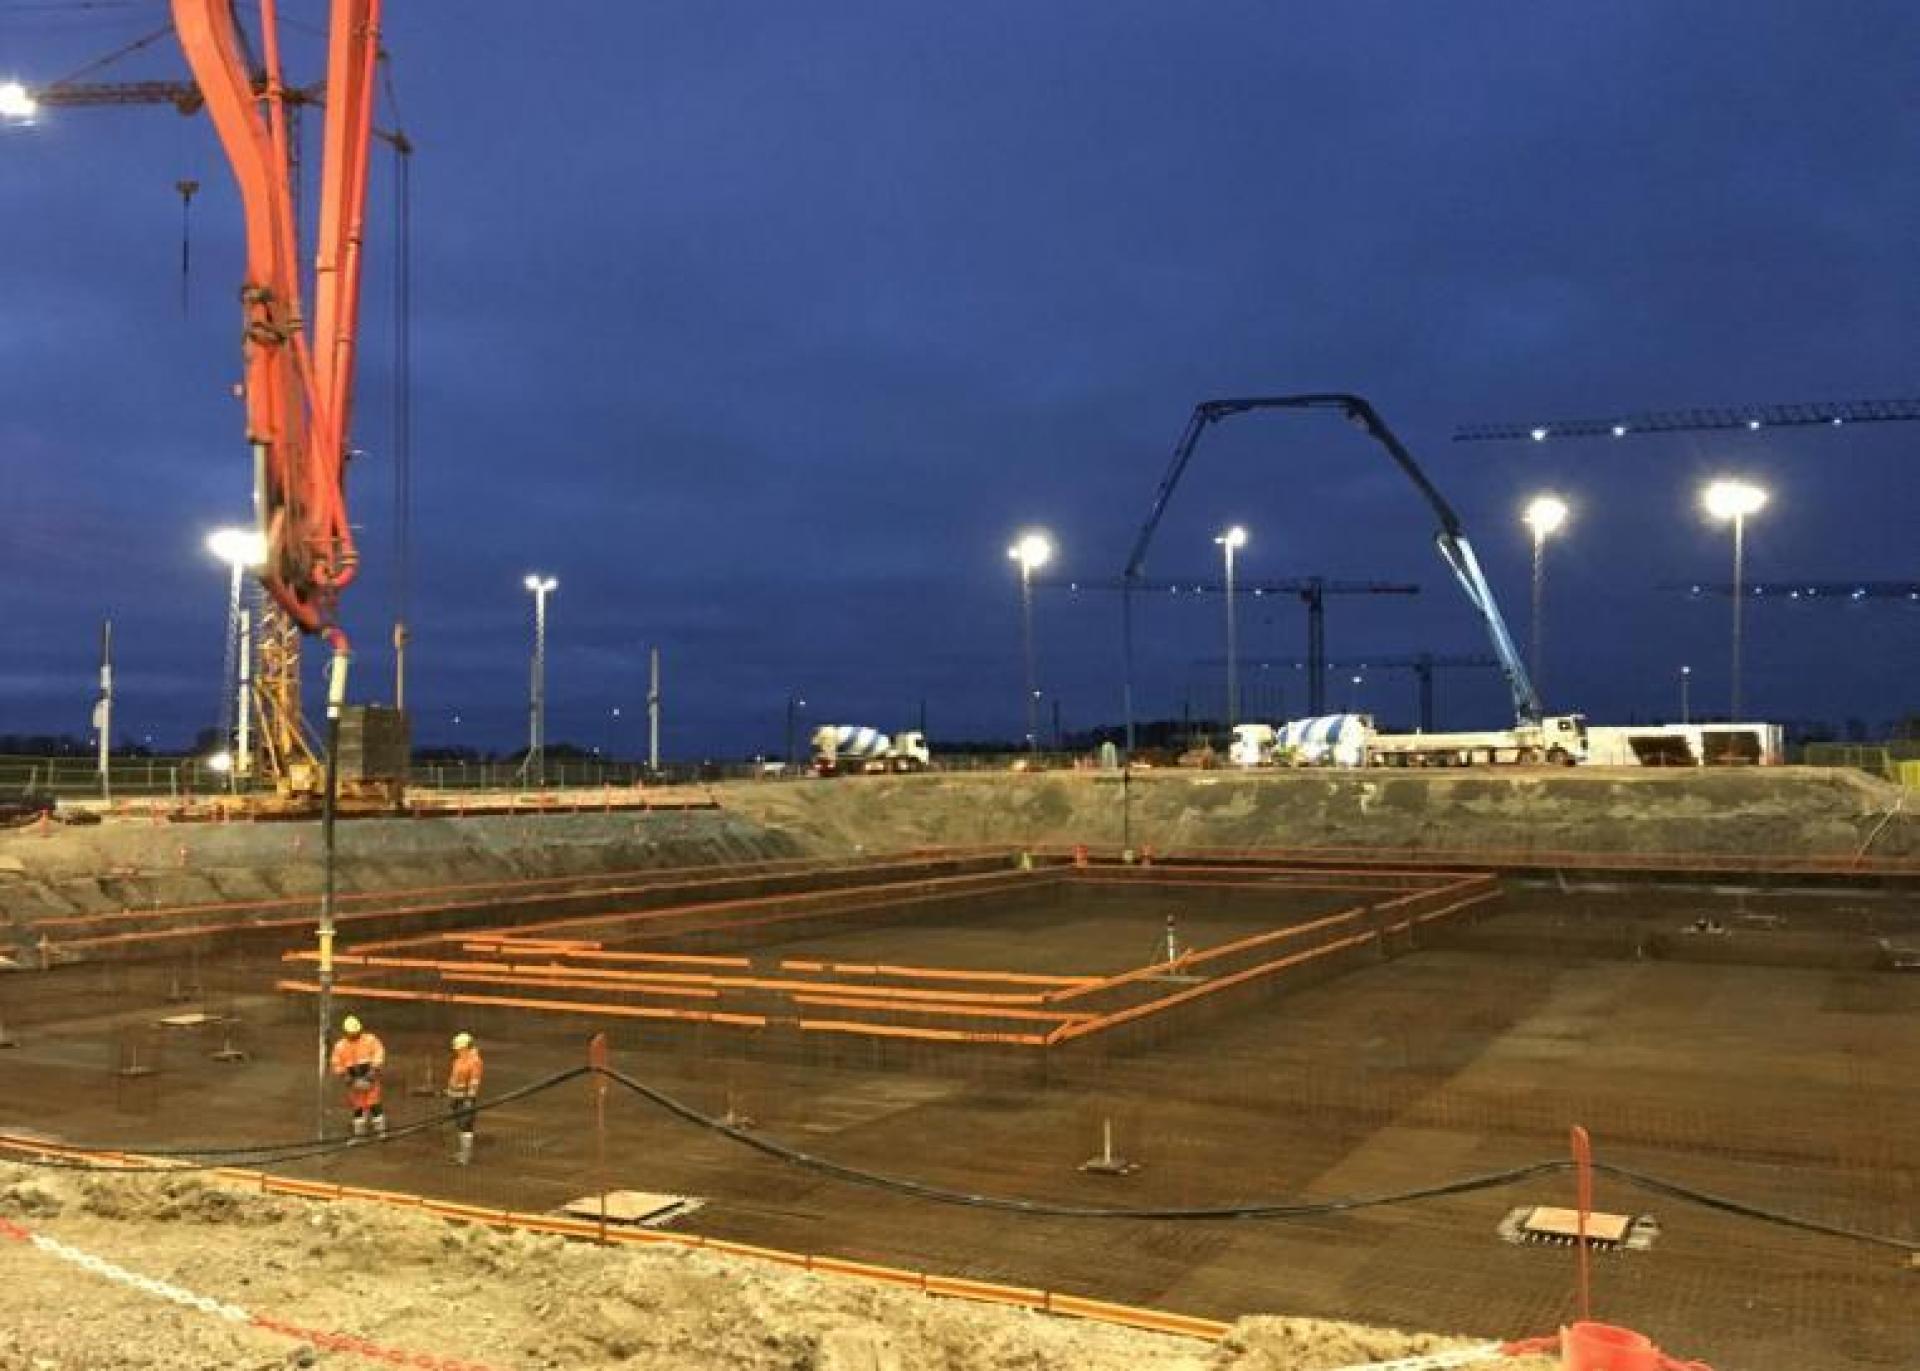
(540, 585)
(1033, 551)
(16, 101)
(1235, 537)
(221, 762)
(1545, 514)
(1733, 499)
(1619, 430)
(1539, 435)
(238, 547)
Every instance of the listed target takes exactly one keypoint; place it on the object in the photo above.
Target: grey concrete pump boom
(1451, 538)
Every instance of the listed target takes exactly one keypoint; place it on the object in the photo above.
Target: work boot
(465, 1155)
(359, 1128)
(379, 1125)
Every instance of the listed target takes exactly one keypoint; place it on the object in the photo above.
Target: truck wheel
(1559, 756)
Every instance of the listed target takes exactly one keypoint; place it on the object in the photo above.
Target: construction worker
(463, 1088)
(358, 1059)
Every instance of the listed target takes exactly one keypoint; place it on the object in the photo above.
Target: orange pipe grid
(969, 1010)
(1225, 949)
(936, 973)
(1482, 858)
(944, 1035)
(1069, 1032)
(931, 1284)
(622, 1011)
(494, 978)
(1140, 1011)
(592, 977)
(861, 898)
(593, 953)
(1155, 879)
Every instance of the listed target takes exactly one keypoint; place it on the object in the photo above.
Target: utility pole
(794, 705)
(653, 711)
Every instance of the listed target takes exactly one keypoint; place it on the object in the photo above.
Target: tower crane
(1312, 591)
(1422, 666)
(1835, 592)
(1826, 414)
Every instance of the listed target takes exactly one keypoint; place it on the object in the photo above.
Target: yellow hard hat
(462, 1041)
(351, 1026)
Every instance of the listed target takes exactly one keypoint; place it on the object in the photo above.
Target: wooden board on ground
(1565, 1223)
(642, 1208)
(196, 1019)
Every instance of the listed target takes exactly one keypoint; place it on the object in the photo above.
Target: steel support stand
(329, 804)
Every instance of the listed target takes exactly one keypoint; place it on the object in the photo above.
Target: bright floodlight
(1033, 551)
(237, 547)
(1235, 537)
(1733, 499)
(1545, 514)
(1539, 435)
(542, 584)
(221, 762)
(16, 101)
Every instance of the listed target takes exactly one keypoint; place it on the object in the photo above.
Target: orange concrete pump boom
(299, 383)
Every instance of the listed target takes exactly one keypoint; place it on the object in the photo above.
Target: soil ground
(1771, 1061)
(415, 1284)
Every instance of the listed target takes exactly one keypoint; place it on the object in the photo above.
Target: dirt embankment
(415, 1284)
(134, 864)
(1786, 812)
(1778, 811)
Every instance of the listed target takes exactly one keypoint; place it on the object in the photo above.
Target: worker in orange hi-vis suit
(358, 1059)
(463, 1088)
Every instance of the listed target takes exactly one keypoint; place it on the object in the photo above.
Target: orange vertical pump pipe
(298, 393)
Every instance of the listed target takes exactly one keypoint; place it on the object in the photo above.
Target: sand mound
(517, 1300)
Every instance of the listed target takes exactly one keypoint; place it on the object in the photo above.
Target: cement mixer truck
(851, 750)
(1350, 740)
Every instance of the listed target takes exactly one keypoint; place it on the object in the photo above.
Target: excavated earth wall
(1784, 813)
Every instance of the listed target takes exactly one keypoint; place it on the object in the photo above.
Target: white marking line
(147, 1284)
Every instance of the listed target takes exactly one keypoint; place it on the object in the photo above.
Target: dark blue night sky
(765, 327)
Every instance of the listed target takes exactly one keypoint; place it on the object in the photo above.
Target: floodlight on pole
(1229, 543)
(17, 102)
(243, 550)
(535, 766)
(1032, 551)
(1734, 501)
(1545, 514)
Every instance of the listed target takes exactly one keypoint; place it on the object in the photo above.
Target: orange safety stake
(1583, 1197)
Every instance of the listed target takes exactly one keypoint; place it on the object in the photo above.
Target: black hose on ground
(924, 1190)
